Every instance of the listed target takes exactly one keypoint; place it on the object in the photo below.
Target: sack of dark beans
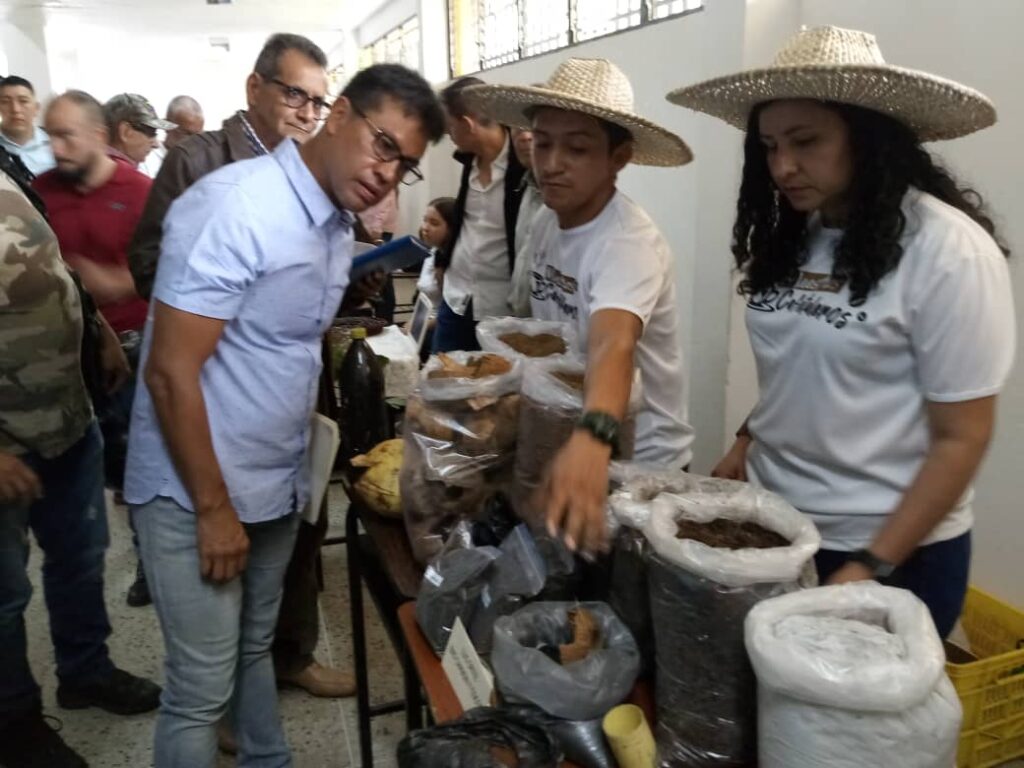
(713, 558)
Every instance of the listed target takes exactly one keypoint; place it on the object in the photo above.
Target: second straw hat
(844, 65)
(594, 87)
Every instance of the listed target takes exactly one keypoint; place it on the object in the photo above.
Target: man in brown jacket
(286, 95)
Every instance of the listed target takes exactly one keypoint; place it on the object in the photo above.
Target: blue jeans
(937, 573)
(218, 639)
(70, 525)
(454, 332)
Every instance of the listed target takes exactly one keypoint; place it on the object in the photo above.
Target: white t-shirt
(427, 283)
(519, 293)
(840, 430)
(480, 265)
(620, 260)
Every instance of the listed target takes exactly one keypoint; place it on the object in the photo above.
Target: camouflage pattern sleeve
(43, 400)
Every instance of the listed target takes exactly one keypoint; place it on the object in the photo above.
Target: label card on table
(469, 676)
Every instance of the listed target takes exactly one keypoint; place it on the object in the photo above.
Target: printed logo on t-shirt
(777, 299)
(817, 281)
(556, 287)
(119, 207)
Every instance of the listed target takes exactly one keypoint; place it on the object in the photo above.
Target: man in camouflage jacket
(51, 480)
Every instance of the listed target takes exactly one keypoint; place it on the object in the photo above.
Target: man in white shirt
(478, 268)
(599, 261)
(19, 134)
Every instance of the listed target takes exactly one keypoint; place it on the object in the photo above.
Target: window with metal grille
(488, 33)
(399, 46)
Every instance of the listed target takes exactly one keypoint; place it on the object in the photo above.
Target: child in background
(435, 231)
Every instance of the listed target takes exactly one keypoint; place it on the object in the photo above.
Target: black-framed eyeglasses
(148, 130)
(296, 98)
(387, 151)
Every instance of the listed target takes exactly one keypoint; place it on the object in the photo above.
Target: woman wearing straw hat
(879, 307)
(600, 262)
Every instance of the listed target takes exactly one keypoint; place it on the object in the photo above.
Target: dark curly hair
(770, 236)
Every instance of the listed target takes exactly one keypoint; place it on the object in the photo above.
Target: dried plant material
(574, 380)
(539, 345)
(475, 368)
(586, 637)
(379, 453)
(730, 534)
(378, 486)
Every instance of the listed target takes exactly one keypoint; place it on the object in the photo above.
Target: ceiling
(194, 16)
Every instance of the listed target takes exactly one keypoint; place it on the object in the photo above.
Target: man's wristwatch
(603, 426)
(880, 569)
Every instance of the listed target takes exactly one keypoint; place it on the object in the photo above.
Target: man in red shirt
(95, 203)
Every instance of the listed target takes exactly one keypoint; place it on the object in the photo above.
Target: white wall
(696, 225)
(23, 43)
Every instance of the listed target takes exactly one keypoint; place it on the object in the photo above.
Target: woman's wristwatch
(603, 426)
(880, 569)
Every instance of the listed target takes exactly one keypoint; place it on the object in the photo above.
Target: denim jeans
(454, 332)
(217, 638)
(70, 525)
(937, 573)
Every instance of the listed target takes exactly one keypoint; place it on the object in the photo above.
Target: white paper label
(470, 678)
(433, 576)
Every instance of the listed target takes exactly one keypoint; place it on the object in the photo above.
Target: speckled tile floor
(322, 732)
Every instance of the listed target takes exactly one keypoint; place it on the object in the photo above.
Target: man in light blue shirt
(19, 134)
(254, 261)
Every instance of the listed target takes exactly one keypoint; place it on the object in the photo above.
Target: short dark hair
(268, 63)
(617, 135)
(14, 80)
(370, 86)
(87, 102)
(454, 99)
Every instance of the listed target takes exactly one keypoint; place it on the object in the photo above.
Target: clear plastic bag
(460, 435)
(699, 596)
(490, 330)
(581, 690)
(551, 404)
(451, 590)
(477, 585)
(851, 675)
(518, 574)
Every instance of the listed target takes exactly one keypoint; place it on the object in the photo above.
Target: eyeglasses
(296, 98)
(387, 151)
(148, 130)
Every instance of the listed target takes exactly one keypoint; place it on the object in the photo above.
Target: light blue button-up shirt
(260, 245)
(36, 154)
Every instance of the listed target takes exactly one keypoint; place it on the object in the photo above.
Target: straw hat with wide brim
(844, 65)
(594, 87)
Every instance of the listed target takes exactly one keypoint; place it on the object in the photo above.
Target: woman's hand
(733, 466)
(852, 571)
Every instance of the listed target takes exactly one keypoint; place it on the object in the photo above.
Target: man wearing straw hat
(600, 262)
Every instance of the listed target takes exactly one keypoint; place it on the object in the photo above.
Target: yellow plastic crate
(992, 745)
(992, 688)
